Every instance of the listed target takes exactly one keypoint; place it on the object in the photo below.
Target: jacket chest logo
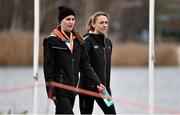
(96, 47)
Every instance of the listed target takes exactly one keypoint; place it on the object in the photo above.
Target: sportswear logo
(95, 47)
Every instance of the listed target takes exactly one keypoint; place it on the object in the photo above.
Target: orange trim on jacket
(63, 36)
(60, 35)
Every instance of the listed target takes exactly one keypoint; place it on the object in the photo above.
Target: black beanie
(64, 12)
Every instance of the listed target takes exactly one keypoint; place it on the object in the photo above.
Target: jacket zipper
(105, 61)
(72, 61)
(73, 70)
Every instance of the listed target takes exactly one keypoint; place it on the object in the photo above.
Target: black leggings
(87, 104)
(64, 105)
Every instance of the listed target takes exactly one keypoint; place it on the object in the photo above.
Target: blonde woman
(99, 49)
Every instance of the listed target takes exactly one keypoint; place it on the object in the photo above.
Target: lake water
(129, 89)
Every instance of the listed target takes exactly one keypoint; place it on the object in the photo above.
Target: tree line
(128, 18)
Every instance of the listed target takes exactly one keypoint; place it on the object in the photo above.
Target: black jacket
(99, 50)
(62, 66)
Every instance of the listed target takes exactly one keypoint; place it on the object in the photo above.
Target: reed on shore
(17, 49)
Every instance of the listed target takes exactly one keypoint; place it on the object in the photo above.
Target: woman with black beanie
(64, 57)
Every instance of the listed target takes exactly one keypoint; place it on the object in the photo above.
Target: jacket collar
(59, 34)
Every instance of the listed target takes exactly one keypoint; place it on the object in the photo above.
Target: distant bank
(17, 49)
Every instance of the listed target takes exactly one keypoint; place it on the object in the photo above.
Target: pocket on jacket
(59, 48)
(59, 51)
(61, 78)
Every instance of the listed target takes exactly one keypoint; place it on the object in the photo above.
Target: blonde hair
(92, 19)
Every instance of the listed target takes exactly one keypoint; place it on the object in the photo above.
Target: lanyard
(70, 40)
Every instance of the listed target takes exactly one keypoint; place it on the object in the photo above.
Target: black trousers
(87, 104)
(64, 105)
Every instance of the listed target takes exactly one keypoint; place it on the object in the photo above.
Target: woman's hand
(52, 98)
(101, 87)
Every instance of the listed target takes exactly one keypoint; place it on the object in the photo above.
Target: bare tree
(15, 15)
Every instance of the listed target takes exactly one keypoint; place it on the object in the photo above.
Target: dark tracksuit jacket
(99, 49)
(62, 66)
